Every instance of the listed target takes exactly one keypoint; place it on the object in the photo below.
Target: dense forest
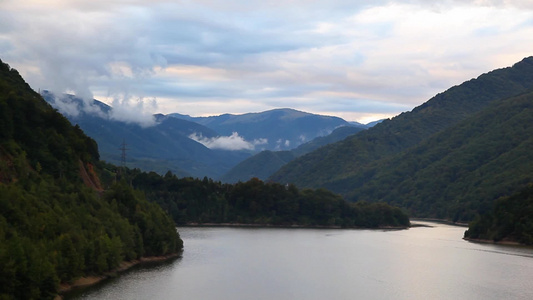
(331, 164)
(509, 220)
(458, 173)
(56, 222)
(190, 200)
(448, 158)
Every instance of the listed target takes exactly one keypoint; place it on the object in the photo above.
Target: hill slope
(267, 162)
(261, 166)
(53, 227)
(459, 172)
(329, 166)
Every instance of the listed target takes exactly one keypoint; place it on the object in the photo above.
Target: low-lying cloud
(138, 111)
(233, 142)
(128, 110)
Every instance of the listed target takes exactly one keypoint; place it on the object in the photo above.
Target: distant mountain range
(448, 158)
(277, 129)
(198, 147)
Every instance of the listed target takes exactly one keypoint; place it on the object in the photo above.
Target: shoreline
(502, 242)
(442, 221)
(82, 282)
(251, 225)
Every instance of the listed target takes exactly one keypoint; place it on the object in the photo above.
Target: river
(274, 263)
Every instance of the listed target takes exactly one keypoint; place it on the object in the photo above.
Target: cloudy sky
(346, 58)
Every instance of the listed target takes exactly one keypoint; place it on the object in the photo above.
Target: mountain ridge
(281, 128)
(407, 129)
(448, 158)
(182, 145)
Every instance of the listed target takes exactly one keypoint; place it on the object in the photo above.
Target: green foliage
(458, 173)
(449, 158)
(190, 200)
(43, 134)
(329, 166)
(53, 228)
(74, 234)
(511, 219)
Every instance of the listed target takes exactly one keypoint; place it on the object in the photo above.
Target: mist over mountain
(277, 129)
(161, 147)
(189, 146)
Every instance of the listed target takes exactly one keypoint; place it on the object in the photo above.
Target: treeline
(190, 200)
(511, 219)
(53, 227)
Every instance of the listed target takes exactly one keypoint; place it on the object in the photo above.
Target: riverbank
(87, 281)
(441, 221)
(251, 225)
(502, 242)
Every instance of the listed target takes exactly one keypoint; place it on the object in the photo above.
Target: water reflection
(268, 263)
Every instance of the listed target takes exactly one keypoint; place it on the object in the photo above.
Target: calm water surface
(245, 263)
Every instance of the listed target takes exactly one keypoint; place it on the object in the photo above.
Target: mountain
(338, 134)
(373, 123)
(58, 220)
(162, 147)
(355, 164)
(459, 172)
(278, 129)
(189, 146)
(261, 166)
(267, 162)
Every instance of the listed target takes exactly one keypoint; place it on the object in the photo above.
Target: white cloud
(67, 107)
(139, 111)
(232, 142)
(346, 58)
(123, 109)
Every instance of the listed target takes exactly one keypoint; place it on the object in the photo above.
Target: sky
(358, 60)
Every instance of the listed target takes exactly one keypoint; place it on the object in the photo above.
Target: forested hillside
(56, 222)
(331, 165)
(448, 158)
(459, 172)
